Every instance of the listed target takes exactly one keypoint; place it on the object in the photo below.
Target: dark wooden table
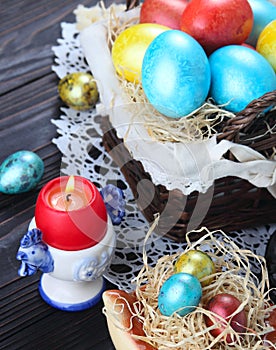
(29, 100)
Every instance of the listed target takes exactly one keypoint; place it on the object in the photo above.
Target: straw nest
(233, 275)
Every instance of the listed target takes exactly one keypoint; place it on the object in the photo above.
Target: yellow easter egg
(266, 44)
(130, 46)
(78, 90)
(198, 264)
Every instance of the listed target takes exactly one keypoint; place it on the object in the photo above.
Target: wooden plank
(29, 100)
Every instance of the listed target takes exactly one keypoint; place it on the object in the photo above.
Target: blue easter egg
(20, 172)
(263, 13)
(175, 74)
(180, 293)
(239, 75)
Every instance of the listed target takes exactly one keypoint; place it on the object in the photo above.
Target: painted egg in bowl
(135, 320)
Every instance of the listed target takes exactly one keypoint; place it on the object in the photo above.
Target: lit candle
(71, 198)
(71, 213)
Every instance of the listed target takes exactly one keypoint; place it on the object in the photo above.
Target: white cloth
(185, 166)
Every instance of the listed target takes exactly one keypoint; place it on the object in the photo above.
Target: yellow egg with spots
(78, 90)
(266, 44)
(130, 46)
(198, 264)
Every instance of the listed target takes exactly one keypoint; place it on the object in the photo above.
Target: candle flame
(70, 184)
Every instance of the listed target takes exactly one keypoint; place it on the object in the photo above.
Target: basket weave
(235, 204)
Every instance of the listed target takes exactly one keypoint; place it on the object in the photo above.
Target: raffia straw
(270, 131)
(233, 275)
(198, 125)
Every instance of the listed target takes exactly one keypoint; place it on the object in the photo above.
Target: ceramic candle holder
(72, 260)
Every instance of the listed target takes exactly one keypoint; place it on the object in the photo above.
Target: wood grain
(29, 100)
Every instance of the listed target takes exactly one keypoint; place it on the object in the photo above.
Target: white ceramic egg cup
(76, 282)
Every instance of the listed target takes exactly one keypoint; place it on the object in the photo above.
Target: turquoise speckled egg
(20, 172)
(175, 74)
(239, 75)
(180, 293)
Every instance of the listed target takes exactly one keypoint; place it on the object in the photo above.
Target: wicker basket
(235, 203)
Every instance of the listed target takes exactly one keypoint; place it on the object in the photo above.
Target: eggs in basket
(205, 56)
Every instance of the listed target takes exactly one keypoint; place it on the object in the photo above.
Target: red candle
(71, 213)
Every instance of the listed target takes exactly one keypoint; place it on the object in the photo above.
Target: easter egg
(270, 338)
(198, 264)
(264, 11)
(20, 172)
(78, 90)
(225, 305)
(130, 46)
(180, 293)
(266, 44)
(166, 12)
(239, 75)
(216, 23)
(175, 74)
(272, 318)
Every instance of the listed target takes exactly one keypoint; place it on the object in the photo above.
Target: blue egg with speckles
(180, 293)
(20, 172)
(175, 74)
(239, 75)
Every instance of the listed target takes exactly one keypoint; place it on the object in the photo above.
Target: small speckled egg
(175, 74)
(196, 263)
(78, 90)
(180, 293)
(130, 46)
(266, 44)
(239, 75)
(20, 172)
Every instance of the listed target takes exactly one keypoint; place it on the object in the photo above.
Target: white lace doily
(83, 154)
